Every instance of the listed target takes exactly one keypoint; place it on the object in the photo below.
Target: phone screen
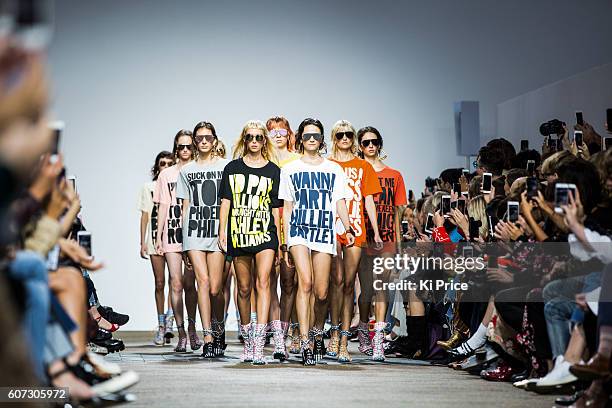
(579, 118)
(404, 227)
(474, 228)
(578, 139)
(524, 144)
(445, 205)
(532, 187)
(513, 211)
(530, 166)
(562, 194)
(487, 179)
(84, 240)
(453, 204)
(429, 224)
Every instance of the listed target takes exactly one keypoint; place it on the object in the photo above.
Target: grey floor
(186, 380)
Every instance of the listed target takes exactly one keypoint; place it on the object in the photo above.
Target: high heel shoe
(194, 341)
(247, 335)
(259, 342)
(334, 341)
(294, 348)
(181, 346)
(114, 326)
(343, 354)
(378, 350)
(316, 336)
(308, 358)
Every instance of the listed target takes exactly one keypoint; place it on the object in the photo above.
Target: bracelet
(351, 231)
(283, 248)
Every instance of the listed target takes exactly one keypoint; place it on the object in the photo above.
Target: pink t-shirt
(165, 193)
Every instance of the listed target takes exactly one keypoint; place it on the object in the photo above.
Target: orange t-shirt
(393, 195)
(363, 181)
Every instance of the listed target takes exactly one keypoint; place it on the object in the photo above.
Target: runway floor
(186, 380)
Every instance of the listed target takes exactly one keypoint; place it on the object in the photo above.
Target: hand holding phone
(487, 182)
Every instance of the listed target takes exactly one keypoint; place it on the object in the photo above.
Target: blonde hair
(339, 125)
(551, 164)
(220, 149)
(477, 209)
(240, 147)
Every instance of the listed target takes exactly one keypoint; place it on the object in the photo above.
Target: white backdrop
(127, 75)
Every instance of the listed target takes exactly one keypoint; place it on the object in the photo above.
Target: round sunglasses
(249, 137)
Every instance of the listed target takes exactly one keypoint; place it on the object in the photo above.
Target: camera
(552, 127)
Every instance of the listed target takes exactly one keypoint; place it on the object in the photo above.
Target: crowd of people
(280, 209)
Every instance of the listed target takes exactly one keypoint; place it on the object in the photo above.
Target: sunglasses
(340, 135)
(249, 137)
(165, 163)
(200, 138)
(278, 132)
(366, 143)
(182, 147)
(316, 136)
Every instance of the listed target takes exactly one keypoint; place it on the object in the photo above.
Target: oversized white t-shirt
(315, 191)
(200, 185)
(146, 205)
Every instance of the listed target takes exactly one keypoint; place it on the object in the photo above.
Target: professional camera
(552, 127)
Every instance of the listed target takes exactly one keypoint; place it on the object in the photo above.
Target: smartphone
(532, 188)
(524, 144)
(84, 240)
(56, 128)
(53, 258)
(578, 139)
(487, 181)
(454, 204)
(416, 232)
(468, 251)
(461, 206)
(562, 195)
(512, 211)
(579, 118)
(72, 181)
(404, 227)
(492, 223)
(445, 205)
(457, 188)
(33, 25)
(410, 195)
(609, 119)
(531, 166)
(429, 224)
(474, 229)
(607, 142)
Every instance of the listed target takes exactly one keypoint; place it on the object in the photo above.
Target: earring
(382, 155)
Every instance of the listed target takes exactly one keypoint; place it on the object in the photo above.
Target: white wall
(128, 75)
(589, 92)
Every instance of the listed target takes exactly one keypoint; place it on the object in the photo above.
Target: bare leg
(242, 267)
(200, 266)
(217, 273)
(321, 266)
(68, 285)
(351, 259)
(158, 264)
(264, 263)
(174, 260)
(288, 291)
(576, 346)
(303, 267)
(336, 289)
(191, 294)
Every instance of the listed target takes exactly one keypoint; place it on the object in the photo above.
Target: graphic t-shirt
(146, 205)
(361, 179)
(253, 193)
(393, 195)
(281, 163)
(165, 193)
(200, 185)
(315, 191)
